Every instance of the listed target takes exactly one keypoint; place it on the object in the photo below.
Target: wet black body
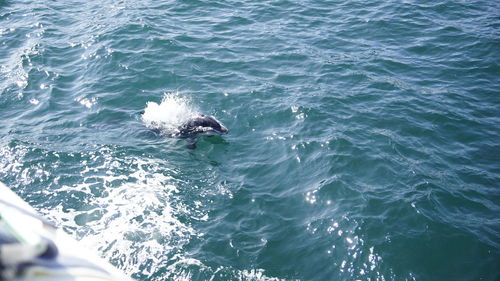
(201, 125)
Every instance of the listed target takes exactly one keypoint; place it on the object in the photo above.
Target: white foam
(169, 114)
(130, 214)
(134, 219)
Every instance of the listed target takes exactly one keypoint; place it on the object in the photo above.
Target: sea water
(363, 144)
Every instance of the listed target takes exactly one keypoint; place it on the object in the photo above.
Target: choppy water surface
(363, 144)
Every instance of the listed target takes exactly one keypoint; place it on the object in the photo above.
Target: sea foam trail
(169, 114)
(125, 208)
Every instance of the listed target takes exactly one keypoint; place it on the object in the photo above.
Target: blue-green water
(363, 144)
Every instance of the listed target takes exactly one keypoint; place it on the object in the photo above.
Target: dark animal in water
(201, 125)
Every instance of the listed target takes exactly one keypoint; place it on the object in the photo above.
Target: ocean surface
(364, 136)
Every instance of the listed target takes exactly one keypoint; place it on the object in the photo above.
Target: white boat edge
(46, 252)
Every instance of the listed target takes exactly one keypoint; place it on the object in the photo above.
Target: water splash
(168, 115)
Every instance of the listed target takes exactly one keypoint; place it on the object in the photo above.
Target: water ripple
(363, 140)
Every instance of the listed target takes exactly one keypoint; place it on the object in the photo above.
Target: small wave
(14, 69)
(169, 114)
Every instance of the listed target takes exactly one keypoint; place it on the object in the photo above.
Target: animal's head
(204, 125)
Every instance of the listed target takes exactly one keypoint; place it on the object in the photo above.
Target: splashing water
(169, 114)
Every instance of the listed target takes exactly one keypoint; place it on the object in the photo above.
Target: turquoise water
(363, 139)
